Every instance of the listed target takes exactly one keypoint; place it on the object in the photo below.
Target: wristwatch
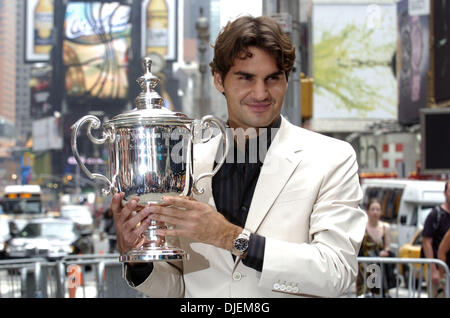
(240, 244)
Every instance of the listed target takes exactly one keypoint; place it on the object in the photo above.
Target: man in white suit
(286, 225)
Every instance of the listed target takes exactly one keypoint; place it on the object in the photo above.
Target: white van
(405, 204)
(22, 203)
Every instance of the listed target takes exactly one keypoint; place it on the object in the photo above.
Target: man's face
(254, 88)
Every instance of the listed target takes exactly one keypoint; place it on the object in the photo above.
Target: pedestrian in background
(376, 243)
(444, 253)
(436, 226)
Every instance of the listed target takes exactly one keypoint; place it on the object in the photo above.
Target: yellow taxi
(412, 250)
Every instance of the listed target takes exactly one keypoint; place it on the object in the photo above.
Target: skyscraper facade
(23, 118)
(8, 60)
(7, 77)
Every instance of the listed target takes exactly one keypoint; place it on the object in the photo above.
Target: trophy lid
(149, 104)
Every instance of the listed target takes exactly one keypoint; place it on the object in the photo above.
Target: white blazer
(306, 206)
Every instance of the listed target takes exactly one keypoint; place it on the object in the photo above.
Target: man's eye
(273, 78)
(245, 77)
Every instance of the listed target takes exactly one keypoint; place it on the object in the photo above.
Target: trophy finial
(147, 64)
(148, 98)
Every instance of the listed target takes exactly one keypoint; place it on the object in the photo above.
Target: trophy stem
(154, 240)
(154, 249)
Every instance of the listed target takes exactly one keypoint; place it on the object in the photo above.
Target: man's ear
(219, 83)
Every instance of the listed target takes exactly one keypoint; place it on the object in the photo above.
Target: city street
(100, 246)
(288, 145)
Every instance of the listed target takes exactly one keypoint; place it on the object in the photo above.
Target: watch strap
(245, 234)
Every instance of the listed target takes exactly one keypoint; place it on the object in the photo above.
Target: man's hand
(435, 276)
(129, 233)
(194, 220)
(384, 253)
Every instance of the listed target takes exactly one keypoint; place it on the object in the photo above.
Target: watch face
(241, 244)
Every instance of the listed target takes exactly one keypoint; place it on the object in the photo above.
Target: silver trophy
(150, 156)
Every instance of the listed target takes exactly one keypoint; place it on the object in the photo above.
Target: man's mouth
(259, 108)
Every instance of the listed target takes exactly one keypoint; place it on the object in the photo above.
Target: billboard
(159, 28)
(435, 144)
(39, 30)
(353, 56)
(95, 52)
(26, 167)
(39, 84)
(47, 134)
(440, 53)
(413, 59)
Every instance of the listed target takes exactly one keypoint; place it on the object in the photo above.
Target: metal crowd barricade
(100, 276)
(413, 285)
(83, 276)
(108, 282)
(23, 278)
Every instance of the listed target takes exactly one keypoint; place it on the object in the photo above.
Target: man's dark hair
(262, 32)
(446, 185)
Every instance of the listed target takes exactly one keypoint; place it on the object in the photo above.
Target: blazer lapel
(283, 157)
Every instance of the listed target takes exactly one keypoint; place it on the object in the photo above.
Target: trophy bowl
(150, 156)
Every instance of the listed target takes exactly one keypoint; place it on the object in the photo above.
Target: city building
(23, 118)
(7, 87)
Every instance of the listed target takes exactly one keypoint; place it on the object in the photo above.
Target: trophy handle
(205, 123)
(94, 122)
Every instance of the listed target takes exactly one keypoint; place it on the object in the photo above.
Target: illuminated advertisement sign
(413, 60)
(96, 45)
(159, 28)
(39, 31)
(40, 92)
(47, 134)
(354, 52)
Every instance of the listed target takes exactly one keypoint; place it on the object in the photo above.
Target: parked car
(49, 238)
(80, 214)
(4, 234)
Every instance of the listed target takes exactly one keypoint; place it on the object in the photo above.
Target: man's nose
(260, 91)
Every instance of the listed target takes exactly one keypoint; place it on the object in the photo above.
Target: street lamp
(202, 26)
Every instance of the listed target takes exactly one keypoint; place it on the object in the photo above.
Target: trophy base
(155, 254)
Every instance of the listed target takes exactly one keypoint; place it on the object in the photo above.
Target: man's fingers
(182, 202)
(167, 203)
(169, 232)
(141, 242)
(142, 227)
(116, 203)
(128, 209)
(186, 197)
(141, 215)
(168, 210)
(164, 218)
